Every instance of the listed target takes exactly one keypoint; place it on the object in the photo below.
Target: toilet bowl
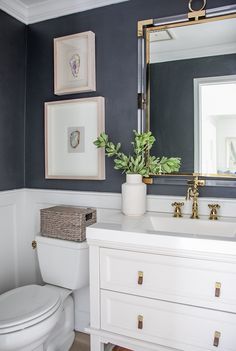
(27, 316)
(41, 318)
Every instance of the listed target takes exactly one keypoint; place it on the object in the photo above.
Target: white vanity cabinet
(145, 295)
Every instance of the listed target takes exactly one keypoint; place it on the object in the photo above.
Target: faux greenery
(141, 162)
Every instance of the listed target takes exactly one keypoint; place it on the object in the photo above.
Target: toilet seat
(26, 306)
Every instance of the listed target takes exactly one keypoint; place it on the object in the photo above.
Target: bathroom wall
(116, 55)
(12, 101)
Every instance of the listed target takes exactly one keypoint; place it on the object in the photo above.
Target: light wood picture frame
(74, 63)
(71, 126)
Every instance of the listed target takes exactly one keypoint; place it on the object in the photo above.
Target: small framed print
(74, 63)
(71, 126)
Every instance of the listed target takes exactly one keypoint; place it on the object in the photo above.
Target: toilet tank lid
(26, 303)
(62, 243)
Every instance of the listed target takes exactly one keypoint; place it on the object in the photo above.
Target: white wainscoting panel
(38, 199)
(8, 247)
(11, 207)
(20, 223)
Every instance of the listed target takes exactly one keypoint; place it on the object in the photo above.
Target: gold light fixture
(197, 14)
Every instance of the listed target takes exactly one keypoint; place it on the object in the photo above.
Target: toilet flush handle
(34, 244)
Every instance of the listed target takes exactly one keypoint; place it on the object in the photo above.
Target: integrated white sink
(188, 226)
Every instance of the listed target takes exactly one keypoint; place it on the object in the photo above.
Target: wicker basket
(66, 222)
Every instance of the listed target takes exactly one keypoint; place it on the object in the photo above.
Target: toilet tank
(63, 263)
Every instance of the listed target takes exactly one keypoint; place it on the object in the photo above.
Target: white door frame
(198, 83)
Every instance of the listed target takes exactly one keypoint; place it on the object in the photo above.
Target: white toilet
(41, 318)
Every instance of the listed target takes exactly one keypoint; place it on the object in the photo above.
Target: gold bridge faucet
(192, 193)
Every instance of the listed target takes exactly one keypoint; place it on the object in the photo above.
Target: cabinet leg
(96, 344)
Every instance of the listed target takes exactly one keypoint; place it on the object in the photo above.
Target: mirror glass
(192, 96)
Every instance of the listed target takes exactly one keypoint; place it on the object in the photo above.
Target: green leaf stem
(141, 162)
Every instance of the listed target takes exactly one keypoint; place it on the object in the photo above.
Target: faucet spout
(193, 193)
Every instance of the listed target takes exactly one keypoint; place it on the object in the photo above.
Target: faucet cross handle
(214, 215)
(177, 211)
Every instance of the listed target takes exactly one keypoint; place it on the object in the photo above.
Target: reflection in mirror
(192, 72)
(215, 127)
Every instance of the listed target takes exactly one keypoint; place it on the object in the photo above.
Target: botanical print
(74, 63)
(75, 139)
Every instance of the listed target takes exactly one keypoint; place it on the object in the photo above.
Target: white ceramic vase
(134, 193)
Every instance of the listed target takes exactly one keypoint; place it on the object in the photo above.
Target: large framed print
(74, 63)
(71, 126)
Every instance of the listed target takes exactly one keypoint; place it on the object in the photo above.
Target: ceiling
(32, 2)
(201, 40)
(31, 11)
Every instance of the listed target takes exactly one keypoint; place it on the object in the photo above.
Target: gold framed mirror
(187, 89)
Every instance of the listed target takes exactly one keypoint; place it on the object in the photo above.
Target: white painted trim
(50, 9)
(131, 343)
(224, 49)
(79, 198)
(54, 8)
(108, 201)
(12, 259)
(197, 126)
(216, 80)
(12, 192)
(16, 9)
(198, 84)
(112, 201)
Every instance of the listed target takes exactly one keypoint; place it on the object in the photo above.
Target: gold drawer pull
(140, 322)
(216, 339)
(217, 289)
(140, 278)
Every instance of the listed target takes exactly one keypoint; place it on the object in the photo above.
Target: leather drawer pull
(140, 322)
(217, 289)
(140, 278)
(216, 339)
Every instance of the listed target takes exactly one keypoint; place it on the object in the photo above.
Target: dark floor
(81, 343)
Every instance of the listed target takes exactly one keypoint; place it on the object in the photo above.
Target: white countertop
(150, 231)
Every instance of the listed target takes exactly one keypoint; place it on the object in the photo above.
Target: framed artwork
(71, 126)
(74, 63)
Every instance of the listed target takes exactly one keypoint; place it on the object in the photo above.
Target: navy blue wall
(12, 101)
(116, 58)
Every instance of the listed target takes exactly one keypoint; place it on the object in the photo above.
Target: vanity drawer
(183, 280)
(168, 324)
